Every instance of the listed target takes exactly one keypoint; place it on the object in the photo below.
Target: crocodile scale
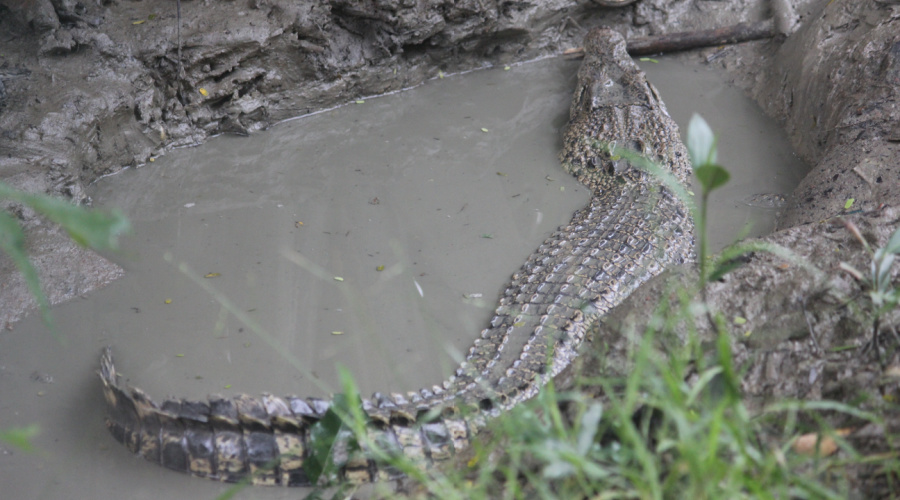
(632, 229)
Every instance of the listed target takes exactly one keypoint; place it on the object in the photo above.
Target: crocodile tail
(264, 440)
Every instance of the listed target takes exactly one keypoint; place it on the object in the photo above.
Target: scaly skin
(632, 229)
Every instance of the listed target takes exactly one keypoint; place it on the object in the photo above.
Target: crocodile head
(610, 110)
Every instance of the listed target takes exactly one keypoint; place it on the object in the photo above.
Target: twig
(812, 333)
(180, 63)
(687, 40)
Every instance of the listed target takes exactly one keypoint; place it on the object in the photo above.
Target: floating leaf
(203, 92)
(360, 101)
(648, 59)
(738, 320)
(338, 278)
(379, 268)
(228, 386)
(484, 130)
(487, 236)
(849, 203)
(168, 301)
(20, 437)
(337, 333)
(441, 75)
(179, 355)
(142, 21)
(212, 275)
(506, 68)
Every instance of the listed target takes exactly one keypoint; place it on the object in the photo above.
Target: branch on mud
(687, 40)
(178, 30)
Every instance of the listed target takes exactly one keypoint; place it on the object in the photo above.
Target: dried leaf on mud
(816, 444)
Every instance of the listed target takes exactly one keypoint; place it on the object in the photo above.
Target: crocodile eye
(638, 146)
(617, 166)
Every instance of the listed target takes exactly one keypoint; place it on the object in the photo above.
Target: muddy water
(449, 187)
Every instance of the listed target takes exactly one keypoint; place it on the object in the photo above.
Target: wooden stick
(687, 40)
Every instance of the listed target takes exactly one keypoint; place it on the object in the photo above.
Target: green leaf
(97, 229)
(325, 437)
(849, 203)
(589, 423)
(723, 267)
(558, 469)
(350, 404)
(893, 245)
(701, 142)
(711, 176)
(20, 437)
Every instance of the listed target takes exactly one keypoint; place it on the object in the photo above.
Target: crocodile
(633, 228)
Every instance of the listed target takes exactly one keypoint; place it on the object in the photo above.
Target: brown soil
(87, 89)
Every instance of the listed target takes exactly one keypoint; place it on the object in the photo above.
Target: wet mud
(86, 90)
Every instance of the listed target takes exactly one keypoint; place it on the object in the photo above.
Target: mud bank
(799, 332)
